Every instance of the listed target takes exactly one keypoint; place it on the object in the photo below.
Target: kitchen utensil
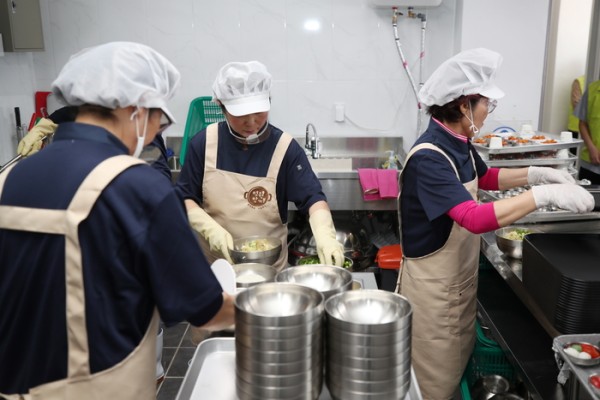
(10, 162)
(327, 279)
(241, 254)
(225, 275)
(512, 248)
(250, 274)
(584, 362)
(488, 386)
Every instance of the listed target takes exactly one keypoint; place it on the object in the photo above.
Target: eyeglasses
(165, 122)
(491, 104)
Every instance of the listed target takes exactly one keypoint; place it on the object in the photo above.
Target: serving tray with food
(517, 151)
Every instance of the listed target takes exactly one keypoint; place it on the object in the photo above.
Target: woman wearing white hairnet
(239, 175)
(441, 219)
(86, 246)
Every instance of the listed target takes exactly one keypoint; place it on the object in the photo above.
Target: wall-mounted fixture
(405, 3)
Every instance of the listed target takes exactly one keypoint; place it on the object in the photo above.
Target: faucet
(312, 143)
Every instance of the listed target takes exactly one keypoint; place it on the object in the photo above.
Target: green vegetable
(576, 347)
(309, 260)
(347, 264)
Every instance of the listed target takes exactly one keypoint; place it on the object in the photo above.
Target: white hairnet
(243, 87)
(118, 75)
(469, 72)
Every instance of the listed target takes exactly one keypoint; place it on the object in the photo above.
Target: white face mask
(139, 146)
(473, 128)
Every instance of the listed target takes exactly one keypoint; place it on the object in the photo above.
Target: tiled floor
(178, 350)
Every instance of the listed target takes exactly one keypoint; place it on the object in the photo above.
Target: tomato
(595, 381)
(591, 350)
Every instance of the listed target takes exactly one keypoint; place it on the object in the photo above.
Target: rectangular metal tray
(211, 374)
(582, 374)
(532, 147)
(486, 196)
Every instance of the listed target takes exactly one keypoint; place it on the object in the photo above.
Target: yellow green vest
(573, 124)
(593, 118)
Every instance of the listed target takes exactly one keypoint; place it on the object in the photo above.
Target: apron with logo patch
(442, 289)
(242, 204)
(132, 378)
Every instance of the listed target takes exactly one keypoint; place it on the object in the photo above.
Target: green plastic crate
(487, 359)
(203, 112)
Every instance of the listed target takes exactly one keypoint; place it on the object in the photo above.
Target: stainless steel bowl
(583, 362)
(278, 304)
(263, 257)
(512, 248)
(488, 386)
(250, 274)
(368, 311)
(327, 279)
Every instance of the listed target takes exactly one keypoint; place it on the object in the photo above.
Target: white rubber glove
(219, 240)
(330, 251)
(566, 196)
(33, 141)
(543, 175)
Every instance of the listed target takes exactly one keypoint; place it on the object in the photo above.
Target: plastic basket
(487, 359)
(203, 112)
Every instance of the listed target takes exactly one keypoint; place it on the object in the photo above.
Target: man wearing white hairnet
(441, 219)
(240, 174)
(86, 246)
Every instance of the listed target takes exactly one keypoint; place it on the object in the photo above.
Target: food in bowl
(315, 260)
(517, 234)
(257, 245)
(583, 354)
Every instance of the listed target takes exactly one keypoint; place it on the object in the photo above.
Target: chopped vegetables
(256, 245)
(517, 234)
(315, 260)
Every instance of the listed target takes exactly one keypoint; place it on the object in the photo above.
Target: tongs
(17, 157)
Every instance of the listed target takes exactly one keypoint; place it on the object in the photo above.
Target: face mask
(252, 139)
(140, 139)
(473, 128)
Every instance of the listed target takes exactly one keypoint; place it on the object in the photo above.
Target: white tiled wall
(352, 58)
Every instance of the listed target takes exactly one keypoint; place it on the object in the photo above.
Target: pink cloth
(388, 183)
(378, 184)
(476, 218)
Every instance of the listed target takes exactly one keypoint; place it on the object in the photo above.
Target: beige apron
(442, 289)
(242, 204)
(132, 378)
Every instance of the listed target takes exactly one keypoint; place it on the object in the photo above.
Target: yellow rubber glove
(330, 251)
(219, 240)
(33, 141)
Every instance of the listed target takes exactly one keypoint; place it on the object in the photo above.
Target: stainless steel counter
(516, 321)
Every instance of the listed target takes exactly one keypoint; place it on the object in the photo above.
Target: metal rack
(538, 154)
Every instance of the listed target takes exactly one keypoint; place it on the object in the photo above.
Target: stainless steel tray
(211, 374)
(530, 147)
(541, 216)
(582, 374)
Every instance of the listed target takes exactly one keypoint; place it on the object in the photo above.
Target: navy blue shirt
(296, 181)
(430, 189)
(138, 252)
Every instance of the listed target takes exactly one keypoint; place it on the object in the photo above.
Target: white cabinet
(21, 25)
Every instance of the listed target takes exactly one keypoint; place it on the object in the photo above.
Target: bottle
(391, 162)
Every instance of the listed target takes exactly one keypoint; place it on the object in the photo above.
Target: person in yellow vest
(577, 88)
(95, 244)
(588, 112)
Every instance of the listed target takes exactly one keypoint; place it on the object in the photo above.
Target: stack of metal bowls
(367, 345)
(279, 342)
(327, 279)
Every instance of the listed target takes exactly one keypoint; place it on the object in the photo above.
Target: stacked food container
(367, 345)
(279, 342)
